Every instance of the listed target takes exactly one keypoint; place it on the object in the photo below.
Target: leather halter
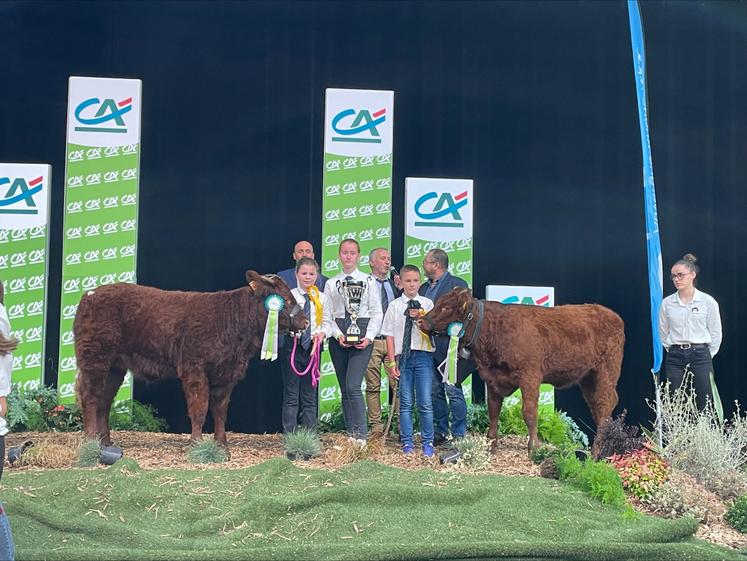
(468, 318)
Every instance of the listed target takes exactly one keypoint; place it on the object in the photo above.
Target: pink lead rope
(313, 366)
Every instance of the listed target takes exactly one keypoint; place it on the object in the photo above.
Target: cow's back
(152, 331)
(569, 336)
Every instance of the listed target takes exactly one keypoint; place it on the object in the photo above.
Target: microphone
(392, 272)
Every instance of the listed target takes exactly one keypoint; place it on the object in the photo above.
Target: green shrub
(207, 451)
(736, 516)
(598, 479)
(142, 419)
(478, 419)
(334, 421)
(512, 421)
(545, 451)
(89, 453)
(574, 432)
(554, 427)
(302, 442)
(38, 410)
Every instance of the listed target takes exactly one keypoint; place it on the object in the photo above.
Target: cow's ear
(252, 276)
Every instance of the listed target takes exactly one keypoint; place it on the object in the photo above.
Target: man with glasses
(440, 282)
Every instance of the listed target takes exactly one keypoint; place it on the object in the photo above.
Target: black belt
(686, 346)
(380, 337)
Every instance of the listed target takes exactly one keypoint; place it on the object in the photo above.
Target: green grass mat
(367, 511)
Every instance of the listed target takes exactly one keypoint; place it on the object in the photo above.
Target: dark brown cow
(205, 339)
(522, 346)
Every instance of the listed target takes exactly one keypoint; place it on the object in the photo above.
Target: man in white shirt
(414, 365)
(350, 359)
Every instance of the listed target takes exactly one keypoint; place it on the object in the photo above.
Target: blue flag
(655, 274)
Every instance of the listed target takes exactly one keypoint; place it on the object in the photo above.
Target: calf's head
(291, 316)
(452, 306)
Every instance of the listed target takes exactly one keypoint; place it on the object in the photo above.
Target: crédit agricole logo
(18, 198)
(94, 115)
(358, 126)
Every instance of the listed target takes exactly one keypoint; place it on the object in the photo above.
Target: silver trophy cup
(352, 292)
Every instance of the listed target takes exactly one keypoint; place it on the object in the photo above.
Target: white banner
(103, 111)
(534, 295)
(24, 196)
(24, 246)
(438, 214)
(358, 122)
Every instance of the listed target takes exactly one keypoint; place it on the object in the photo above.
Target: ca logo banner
(20, 195)
(445, 206)
(95, 115)
(362, 128)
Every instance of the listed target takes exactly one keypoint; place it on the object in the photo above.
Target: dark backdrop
(533, 100)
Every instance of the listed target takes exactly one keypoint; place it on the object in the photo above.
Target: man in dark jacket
(301, 249)
(440, 282)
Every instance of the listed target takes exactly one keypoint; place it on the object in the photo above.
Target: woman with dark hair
(690, 330)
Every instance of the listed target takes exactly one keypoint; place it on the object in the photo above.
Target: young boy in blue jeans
(414, 365)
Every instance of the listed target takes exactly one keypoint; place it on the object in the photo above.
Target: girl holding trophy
(357, 314)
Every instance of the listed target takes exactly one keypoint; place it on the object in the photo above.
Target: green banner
(102, 176)
(24, 243)
(438, 215)
(357, 199)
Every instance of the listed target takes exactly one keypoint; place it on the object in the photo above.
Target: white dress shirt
(370, 304)
(6, 363)
(328, 324)
(695, 322)
(394, 324)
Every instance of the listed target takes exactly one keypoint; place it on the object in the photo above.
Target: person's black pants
(298, 393)
(350, 366)
(696, 359)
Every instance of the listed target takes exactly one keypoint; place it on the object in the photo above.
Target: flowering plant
(642, 471)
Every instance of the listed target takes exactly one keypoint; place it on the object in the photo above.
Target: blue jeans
(7, 549)
(416, 377)
(457, 404)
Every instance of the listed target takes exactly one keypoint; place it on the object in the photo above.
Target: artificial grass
(277, 510)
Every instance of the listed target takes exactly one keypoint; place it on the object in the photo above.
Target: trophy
(352, 292)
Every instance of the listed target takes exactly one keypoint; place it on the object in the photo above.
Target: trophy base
(351, 339)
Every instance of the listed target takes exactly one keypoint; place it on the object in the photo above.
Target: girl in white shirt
(351, 359)
(298, 391)
(690, 330)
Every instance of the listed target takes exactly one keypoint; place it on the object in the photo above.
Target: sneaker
(439, 439)
(357, 442)
(428, 450)
(408, 449)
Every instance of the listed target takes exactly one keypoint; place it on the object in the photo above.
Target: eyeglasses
(679, 276)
